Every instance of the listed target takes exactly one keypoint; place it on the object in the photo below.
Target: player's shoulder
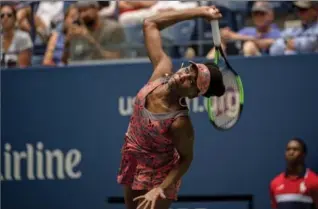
(148, 87)
(278, 179)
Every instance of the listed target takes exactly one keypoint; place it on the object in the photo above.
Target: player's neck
(172, 97)
(295, 170)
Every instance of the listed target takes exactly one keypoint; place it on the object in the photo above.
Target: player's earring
(183, 102)
(182, 65)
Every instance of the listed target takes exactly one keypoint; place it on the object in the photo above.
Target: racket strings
(226, 109)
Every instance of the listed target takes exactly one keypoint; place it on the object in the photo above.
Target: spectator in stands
(23, 16)
(132, 15)
(129, 9)
(16, 46)
(256, 40)
(23, 11)
(302, 39)
(108, 9)
(58, 44)
(94, 38)
(47, 17)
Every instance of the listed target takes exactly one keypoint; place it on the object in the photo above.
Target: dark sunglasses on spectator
(258, 13)
(9, 15)
(302, 9)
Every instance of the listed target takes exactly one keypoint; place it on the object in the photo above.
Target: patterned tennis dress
(148, 154)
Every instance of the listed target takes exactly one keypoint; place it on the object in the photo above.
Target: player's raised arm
(161, 62)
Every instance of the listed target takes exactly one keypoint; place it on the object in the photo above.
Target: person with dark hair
(57, 50)
(16, 45)
(93, 37)
(301, 38)
(297, 187)
(158, 146)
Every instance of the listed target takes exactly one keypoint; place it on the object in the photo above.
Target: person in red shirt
(297, 187)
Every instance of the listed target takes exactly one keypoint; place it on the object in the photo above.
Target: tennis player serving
(158, 147)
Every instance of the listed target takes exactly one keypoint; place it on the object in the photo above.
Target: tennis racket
(224, 112)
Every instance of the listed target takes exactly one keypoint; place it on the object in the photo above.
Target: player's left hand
(150, 198)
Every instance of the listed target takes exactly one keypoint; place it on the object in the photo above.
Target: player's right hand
(149, 199)
(211, 13)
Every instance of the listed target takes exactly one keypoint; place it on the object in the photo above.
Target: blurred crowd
(56, 33)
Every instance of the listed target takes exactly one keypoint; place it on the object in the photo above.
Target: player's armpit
(182, 134)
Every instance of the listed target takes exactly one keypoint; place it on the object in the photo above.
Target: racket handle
(216, 32)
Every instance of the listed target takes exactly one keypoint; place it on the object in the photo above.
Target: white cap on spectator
(81, 4)
(304, 4)
(262, 6)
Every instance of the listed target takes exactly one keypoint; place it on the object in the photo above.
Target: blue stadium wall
(62, 130)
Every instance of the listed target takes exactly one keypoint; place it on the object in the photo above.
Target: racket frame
(219, 52)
